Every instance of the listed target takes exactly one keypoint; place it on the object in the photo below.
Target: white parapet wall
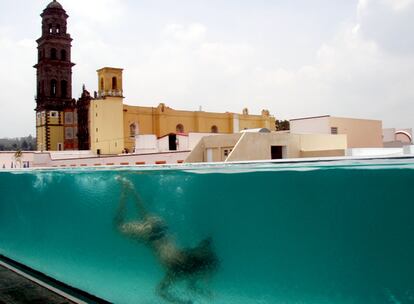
(44, 160)
(70, 154)
(146, 144)
(8, 160)
(408, 150)
(362, 152)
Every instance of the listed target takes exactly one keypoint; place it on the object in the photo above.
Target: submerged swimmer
(189, 264)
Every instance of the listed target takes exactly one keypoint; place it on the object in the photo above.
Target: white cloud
(389, 23)
(400, 5)
(364, 70)
(14, 82)
(103, 12)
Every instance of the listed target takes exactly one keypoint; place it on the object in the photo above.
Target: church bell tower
(55, 108)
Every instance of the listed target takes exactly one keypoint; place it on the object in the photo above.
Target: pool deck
(16, 289)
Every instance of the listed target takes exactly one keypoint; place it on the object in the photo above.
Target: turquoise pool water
(337, 232)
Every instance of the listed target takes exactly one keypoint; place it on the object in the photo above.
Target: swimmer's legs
(193, 286)
(163, 291)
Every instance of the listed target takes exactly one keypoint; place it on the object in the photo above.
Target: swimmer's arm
(119, 218)
(139, 203)
(128, 185)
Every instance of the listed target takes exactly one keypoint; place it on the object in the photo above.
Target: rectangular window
(68, 118)
(53, 114)
(226, 152)
(69, 133)
(334, 130)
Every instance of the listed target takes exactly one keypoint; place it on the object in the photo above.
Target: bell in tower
(54, 81)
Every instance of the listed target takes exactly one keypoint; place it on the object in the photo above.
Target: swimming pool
(322, 232)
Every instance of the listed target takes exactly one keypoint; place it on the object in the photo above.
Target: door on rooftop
(277, 152)
(172, 140)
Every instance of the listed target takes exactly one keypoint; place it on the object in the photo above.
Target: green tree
(25, 145)
(282, 125)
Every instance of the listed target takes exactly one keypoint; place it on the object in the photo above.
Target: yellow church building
(103, 123)
(113, 125)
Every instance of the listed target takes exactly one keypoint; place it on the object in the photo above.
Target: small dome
(54, 4)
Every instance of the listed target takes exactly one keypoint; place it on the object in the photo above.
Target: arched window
(53, 87)
(132, 130)
(57, 29)
(63, 55)
(179, 128)
(114, 84)
(214, 129)
(64, 88)
(102, 85)
(50, 28)
(53, 53)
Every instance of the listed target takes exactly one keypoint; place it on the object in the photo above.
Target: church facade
(103, 123)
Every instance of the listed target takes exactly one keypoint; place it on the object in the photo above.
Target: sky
(297, 58)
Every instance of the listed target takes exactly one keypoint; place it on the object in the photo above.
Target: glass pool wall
(340, 232)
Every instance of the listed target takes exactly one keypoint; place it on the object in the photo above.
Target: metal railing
(112, 93)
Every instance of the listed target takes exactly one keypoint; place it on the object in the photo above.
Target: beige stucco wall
(314, 125)
(318, 142)
(106, 125)
(362, 133)
(214, 142)
(257, 146)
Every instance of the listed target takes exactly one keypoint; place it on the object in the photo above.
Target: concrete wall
(150, 143)
(146, 144)
(115, 160)
(258, 146)
(9, 161)
(362, 133)
(70, 154)
(374, 152)
(317, 125)
(323, 142)
(106, 125)
(217, 143)
(388, 135)
(194, 139)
